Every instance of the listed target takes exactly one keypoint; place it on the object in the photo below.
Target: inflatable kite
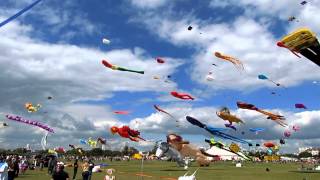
(215, 131)
(91, 142)
(101, 140)
(237, 63)
(190, 28)
(126, 132)
(302, 41)
(209, 77)
(113, 67)
(31, 108)
(276, 118)
(84, 142)
(30, 122)
(282, 141)
(160, 60)
(300, 106)
(106, 41)
(19, 13)
(269, 144)
(224, 113)
(183, 96)
(59, 150)
(263, 77)
(303, 2)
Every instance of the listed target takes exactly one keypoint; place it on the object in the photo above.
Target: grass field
(217, 171)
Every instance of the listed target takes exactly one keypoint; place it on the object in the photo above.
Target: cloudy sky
(56, 50)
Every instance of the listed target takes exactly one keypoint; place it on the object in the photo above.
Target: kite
(59, 150)
(160, 60)
(263, 77)
(291, 18)
(237, 63)
(3, 125)
(114, 67)
(31, 108)
(256, 130)
(215, 131)
(82, 141)
(91, 142)
(295, 128)
(101, 140)
(224, 113)
(183, 96)
(44, 141)
(49, 97)
(302, 41)
(287, 134)
(52, 151)
(121, 112)
(209, 77)
(19, 13)
(282, 141)
(161, 110)
(300, 106)
(126, 132)
(190, 28)
(106, 41)
(269, 144)
(77, 149)
(30, 122)
(276, 118)
(303, 2)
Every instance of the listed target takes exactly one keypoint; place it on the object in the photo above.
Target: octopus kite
(183, 96)
(114, 67)
(237, 63)
(31, 108)
(276, 118)
(30, 122)
(126, 132)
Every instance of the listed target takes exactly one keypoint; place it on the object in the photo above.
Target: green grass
(216, 171)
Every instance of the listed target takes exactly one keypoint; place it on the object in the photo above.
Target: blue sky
(58, 47)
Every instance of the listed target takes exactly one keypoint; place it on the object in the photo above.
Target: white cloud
(148, 4)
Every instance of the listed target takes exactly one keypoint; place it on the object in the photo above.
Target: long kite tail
(19, 13)
(129, 70)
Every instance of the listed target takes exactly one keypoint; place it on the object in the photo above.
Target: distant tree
(305, 154)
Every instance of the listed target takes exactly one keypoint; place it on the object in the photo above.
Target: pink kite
(287, 133)
(300, 106)
(160, 60)
(295, 128)
(121, 112)
(183, 96)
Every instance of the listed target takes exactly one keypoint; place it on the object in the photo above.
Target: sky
(56, 50)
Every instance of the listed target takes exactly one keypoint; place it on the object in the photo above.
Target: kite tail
(141, 138)
(129, 70)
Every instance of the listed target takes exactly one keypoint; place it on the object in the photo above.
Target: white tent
(223, 154)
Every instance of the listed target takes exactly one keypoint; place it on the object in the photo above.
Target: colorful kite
(126, 132)
(287, 133)
(277, 118)
(114, 67)
(237, 63)
(31, 108)
(183, 96)
(224, 113)
(302, 41)
(295, 128)
(300, 106)
(160, 60)
(30, 122)
(263, 77)
(92, 143)
(101, 140)
(122, 112)
(19, 13)
(215, 131)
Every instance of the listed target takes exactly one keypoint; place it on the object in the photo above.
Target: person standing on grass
(85, 170)
(75, 168)
(3, 169)
(91, 166)
(11, 171)
(60, 174)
